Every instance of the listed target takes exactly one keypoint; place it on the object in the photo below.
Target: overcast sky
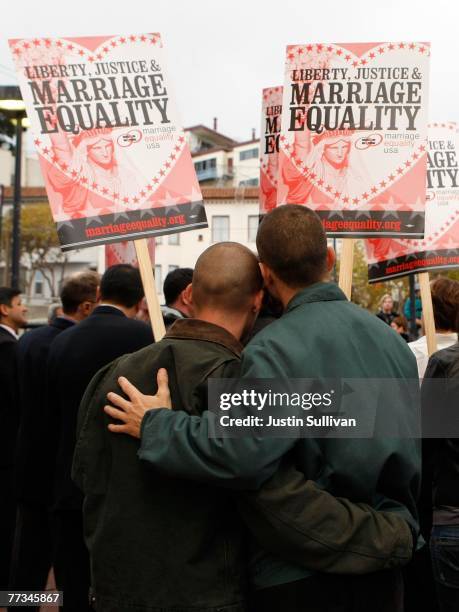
(222, 53)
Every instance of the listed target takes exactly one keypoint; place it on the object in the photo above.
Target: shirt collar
(318, 292)
(195, 329)
(10, 329)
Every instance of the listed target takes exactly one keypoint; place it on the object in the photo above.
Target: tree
(39, 245)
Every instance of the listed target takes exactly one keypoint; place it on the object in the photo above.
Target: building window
(253, 182)
(173, 239)
(249, 154)
(220, 228)
(253, 227)
(172, 268)
(158, 278)
(206, 164)
(38, 283)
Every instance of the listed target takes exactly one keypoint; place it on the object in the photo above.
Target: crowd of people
(112, 476)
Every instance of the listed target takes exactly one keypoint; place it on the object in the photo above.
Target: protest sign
(107, 133)
(439, 249)
(269, 147)
(353, 136)
(125, 253)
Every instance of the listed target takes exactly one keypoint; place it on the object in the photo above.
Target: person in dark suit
(32, 548)
(75, 357)
(12, 318)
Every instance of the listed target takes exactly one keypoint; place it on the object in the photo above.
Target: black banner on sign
(130, 225)
(365, 224)
(409, 264)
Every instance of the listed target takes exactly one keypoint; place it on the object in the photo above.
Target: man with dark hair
(177, 303)
(320, 336)
(31, 560)
(445, 303)
(134, 519)
(12, 319)
(74, 357)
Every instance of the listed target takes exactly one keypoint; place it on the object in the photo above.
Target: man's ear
(266, 274)
(331, 258)
(258, 300)
(4, 310)
(187, 295)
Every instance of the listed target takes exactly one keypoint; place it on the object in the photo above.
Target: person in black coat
(12, 318)
(75, 357)
(32, 549)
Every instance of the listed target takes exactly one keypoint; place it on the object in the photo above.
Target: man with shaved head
(320, 336)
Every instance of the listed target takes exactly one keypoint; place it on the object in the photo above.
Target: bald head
(226, 277)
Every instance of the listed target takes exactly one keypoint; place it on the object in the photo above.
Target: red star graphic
(339, 52)
(83, 180)
(309, 47)
(290, 56)
(17, 51)
(59, 43)
(45, 150)
(149, 187)
(347, 57)
(105, 191)
(328, 188)
(181, 139)
(391, 177)
(135, 200)
(422, 148)
(162, 173)
(90, 58)
(390, 47)
(383, 184)
(37, 142)
(355, 200)
(319, 48)
(81, 52)
(64, 166)
(105, 49)
(408, 164)
(313, 175)
(156, 180)
(115, 195)
(400, 170)
(363, 62)
(300, 51)
(372, 55)
(70, 47)
(337, 194)
(132, 38)
(99, 56)
(374, 190)
(346, 199)
(282, 138)
(355, 64)
(415, 156)
(36, 42)
(126, 200)
(143, 38)
(167, 165)
(142, 194)
(94, 185)
(401, 45)
(113, 43)
(381, 50)
(122, 40)
(47, 42)
(365, 196)
(320, 182)
(55, 158)
(412, 46)
(26, 45)
(422, 49)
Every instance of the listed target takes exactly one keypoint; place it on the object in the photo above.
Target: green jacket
(321, 334)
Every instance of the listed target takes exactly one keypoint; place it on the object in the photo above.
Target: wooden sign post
(346, 266)
(148, 281)
(427, 312)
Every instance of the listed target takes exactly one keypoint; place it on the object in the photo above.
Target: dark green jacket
(323, 335)
(158, 543)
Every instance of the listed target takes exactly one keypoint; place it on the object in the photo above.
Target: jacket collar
(62, 323)
(107, 309)
(318, 292)
(195, 329)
